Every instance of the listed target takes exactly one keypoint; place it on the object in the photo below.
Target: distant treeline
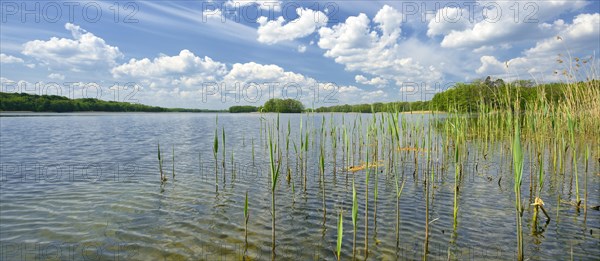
(378, 107)
(272, 105)
(238, 109)
(468, 97)
(497, 94)
(463, 97)
(54, 103)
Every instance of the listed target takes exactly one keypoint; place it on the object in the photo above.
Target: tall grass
(340, 235)
(224, 149)
(354, 218)
(322, 179)
(367, 172)
(246, 218)
(518, 175)
(585, 197)
(571, 125)
(398, 194)
(275, 169)
(215, 153)
(163, 177)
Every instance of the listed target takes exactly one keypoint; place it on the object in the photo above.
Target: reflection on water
(87, 187)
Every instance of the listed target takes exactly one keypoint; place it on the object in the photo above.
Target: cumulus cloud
(184, 76)
(84, 51)
(255, 72)
(354, 95)
(499, 25)
(582, 33)
(578, 38)
(378, 81)
(271, 32)
(448, 19)
(185, 68)
(5, 58)
(354, 44)
(388, 20)
(491, 65)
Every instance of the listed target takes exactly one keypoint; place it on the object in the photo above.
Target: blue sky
(215, 54)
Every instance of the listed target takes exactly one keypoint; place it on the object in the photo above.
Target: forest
(468, 97)
(54, 103)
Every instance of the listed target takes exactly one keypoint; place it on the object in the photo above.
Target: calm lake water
(86, 186)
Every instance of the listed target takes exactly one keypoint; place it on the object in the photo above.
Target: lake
(86, 186)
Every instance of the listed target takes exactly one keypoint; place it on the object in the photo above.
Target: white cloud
(181, 77)
(581, 33)
(5, 58)
(271, 32)
(84, 51)
(56, 76)
(185, 68)
(388, 20)
(353, 44)
(503, 25)
(578, 39)
(491, 65)
(255, 72)
(354, 95)
(212, 14)
(263, 81)
(301, 48)
(378, 81)
(448, 19)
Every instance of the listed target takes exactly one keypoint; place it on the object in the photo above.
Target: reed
(215, 153)
(287, 153)
(333, 145)
(585, 190)
(224, 149)
(275, 169)
(398, 194)
(246, 218)
(354, 218)
(367, 197)
(375, 195)
(340, 235)
(232, 165)
(163, 177)
(322, 180)
(456, 172)
(571, 125)
(426, 243)
(518, 175)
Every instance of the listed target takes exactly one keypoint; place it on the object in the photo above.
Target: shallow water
(86, 187)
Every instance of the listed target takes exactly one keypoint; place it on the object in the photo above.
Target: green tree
(283, 106)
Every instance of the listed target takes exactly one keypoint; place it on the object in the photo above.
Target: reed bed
(542, 138)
